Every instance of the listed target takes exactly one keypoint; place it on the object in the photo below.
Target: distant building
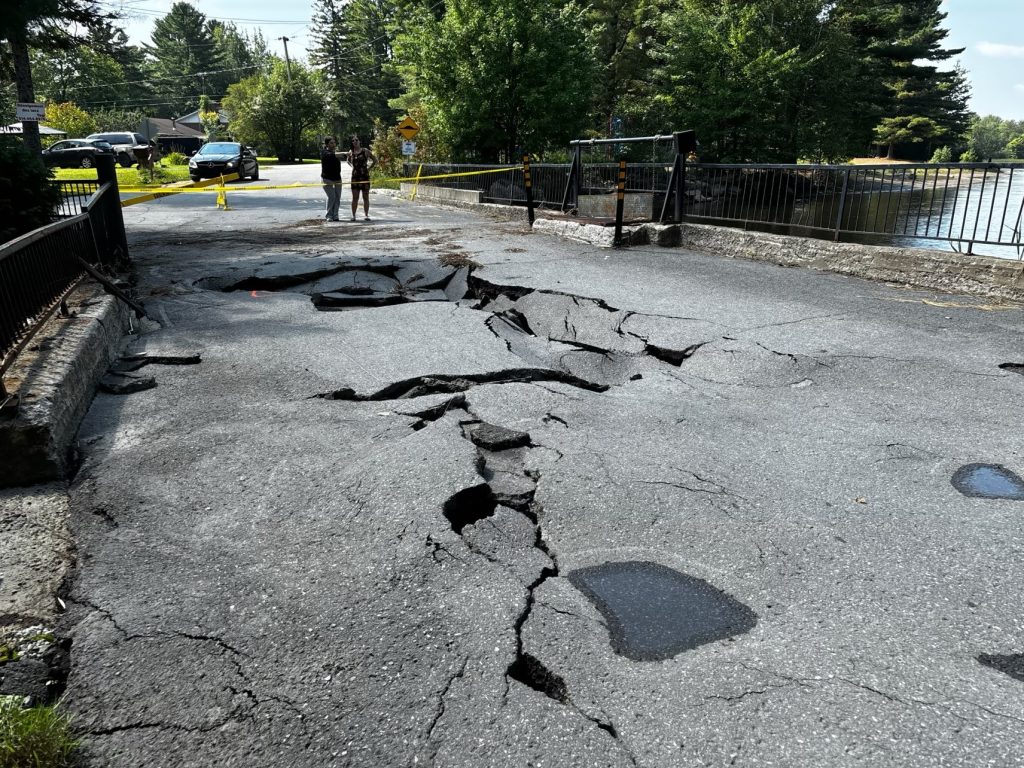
(171, 135)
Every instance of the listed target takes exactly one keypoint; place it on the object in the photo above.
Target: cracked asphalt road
(329, 543)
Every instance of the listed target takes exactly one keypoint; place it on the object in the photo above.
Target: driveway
(434, 490)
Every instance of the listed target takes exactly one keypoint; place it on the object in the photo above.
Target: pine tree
(902, 43)
(353, 48)
(184, 58)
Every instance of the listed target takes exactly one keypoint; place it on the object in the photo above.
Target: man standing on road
(330, 175)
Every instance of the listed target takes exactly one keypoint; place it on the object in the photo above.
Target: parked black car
(75, 153)
(221, 158)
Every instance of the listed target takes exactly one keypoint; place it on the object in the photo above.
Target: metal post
(686, 142)
(672, 177)
(842, 204)
(528, 186)
(578, 187)
(619, 203)
(116, 243)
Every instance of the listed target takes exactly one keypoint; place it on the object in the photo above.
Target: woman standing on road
(330, 175)
(360, 158)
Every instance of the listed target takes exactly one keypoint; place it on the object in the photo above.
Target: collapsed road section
(468, 549)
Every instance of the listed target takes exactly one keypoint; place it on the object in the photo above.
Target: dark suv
(219, 158)
(122, 142)
(74, 153)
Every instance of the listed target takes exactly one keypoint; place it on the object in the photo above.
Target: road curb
(56, 380)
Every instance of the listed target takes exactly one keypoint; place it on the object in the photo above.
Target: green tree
(210, 118)
(279, 111)
(496, 74)
(45, 25)
(988, 137)
(71, 119)
(624, 33)
(80, 73)
(241, 55)
(768, 81)
(901, 44)
(184, 57)
(117, 119)
(352, 46)
(1015, 146)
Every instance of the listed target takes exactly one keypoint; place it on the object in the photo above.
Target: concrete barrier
(56, 379)
(927, 268)
(431, 193)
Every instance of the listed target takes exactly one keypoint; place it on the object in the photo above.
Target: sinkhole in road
(988, 481)
(654, 612)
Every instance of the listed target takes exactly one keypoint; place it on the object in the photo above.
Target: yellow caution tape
(297, 185)
(158, 192)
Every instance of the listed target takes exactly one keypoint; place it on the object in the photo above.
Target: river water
(948, 207)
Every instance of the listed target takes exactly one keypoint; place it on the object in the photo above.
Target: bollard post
(619, 204)
(416, 184)
(222, 195)
(528, 186)
(117, 239)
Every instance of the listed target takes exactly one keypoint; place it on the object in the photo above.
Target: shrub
(34, 736)
(27, 198)
(942, 155)
(970, 156)
(176, 158)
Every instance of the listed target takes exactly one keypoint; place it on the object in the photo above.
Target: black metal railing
(966, 204)
(37, 272)
(39, 269)
(976, 207)
(73, 195)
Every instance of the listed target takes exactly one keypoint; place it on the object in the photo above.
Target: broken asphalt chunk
(495, 438)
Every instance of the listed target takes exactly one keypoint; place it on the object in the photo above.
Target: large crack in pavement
(499, 520)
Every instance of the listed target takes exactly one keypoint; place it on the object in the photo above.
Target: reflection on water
(935, 207)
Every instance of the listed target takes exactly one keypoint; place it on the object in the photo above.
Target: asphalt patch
(1011, 664)
(988, 481)
(654, 612)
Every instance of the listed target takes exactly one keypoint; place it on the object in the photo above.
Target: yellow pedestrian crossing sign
(408, 128)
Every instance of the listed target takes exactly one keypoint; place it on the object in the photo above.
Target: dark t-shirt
(330, 166)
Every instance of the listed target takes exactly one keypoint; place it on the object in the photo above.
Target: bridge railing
(961, 204)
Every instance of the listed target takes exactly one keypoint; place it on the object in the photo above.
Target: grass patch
(36, 737)
(127, 177)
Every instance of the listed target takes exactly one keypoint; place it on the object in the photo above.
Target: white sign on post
(408, 147)
(27, 111)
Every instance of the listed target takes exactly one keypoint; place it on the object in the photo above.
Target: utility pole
(287, 61)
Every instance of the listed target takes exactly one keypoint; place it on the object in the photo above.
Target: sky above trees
(988, 29)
